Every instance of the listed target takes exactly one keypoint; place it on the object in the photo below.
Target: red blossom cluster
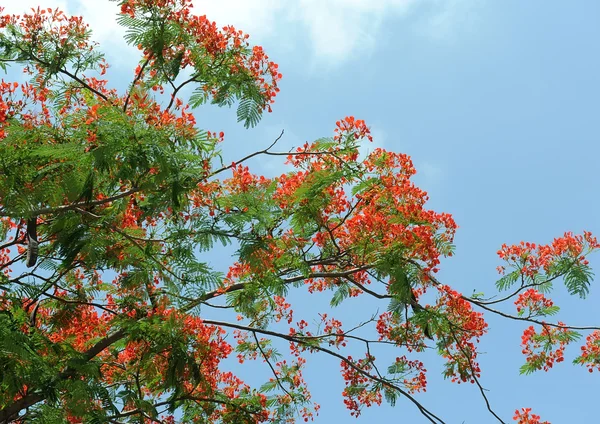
(243, 180)
(5, 253)
(217, 137)
(283, 309)
(466, 327)
(534, 301)
(227, 46)
(333, 326)
(69, 38)
(291, 372)
(49, 23)
(539, 347)
(83, 325)
(524, 417)
(242, 338)
(352, 127)
(418, 383)
(590, 352)
(29, 104)
(315, 156)
(532, 258)
(393, 213)
(209, 348)
(405, 334)
(360, 395)
(8, 106)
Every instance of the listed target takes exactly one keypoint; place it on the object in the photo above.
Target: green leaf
(552, 310)
(340, 294)
(390, 396)
(396, 307)
(400, 286)
(527, 369)
(508, 280)
(269, 386)
(365, 186)
(249, 111)
(578, 279)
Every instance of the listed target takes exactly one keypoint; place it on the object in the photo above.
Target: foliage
(113, 198)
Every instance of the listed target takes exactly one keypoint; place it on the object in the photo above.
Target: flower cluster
(418, 381)
(532, 258)
(590, 352)
(524, 417)
(333, 327)
(392, 211)
(355, 128)
(227, 48)
(466, 327)
(540, 348)
(283, 309)
(404, 334)
(534, 301)
(243, 180)
(358, 393)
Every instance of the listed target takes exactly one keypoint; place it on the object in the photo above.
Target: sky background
(498, 104)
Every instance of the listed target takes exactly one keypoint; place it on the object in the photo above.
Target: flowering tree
(108, 201)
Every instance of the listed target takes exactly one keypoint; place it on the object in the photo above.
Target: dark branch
(424, 411)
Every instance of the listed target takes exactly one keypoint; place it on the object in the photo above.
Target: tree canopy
(109, 201)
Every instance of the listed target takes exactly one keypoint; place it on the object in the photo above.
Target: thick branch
(241, 286)
(11, 411)
(79, 205)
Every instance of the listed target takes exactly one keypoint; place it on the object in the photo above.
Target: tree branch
(241, 286)
(8, 413)
(79, 205)
(134, 82)
(251, 155)
(424, 411)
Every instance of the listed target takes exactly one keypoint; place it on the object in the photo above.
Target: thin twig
(270, 366)
(245, 158)
(134, 82)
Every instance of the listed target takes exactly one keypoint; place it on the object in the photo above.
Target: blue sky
(498, 103)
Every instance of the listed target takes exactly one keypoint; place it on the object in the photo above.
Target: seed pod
(32, 242)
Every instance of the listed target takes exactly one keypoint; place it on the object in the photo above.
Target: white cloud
(259, 18)
(24, 6)
(449, 18)
(339, 29)
(101, 16)
(335, 30)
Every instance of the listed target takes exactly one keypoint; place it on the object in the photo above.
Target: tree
(111, 199)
